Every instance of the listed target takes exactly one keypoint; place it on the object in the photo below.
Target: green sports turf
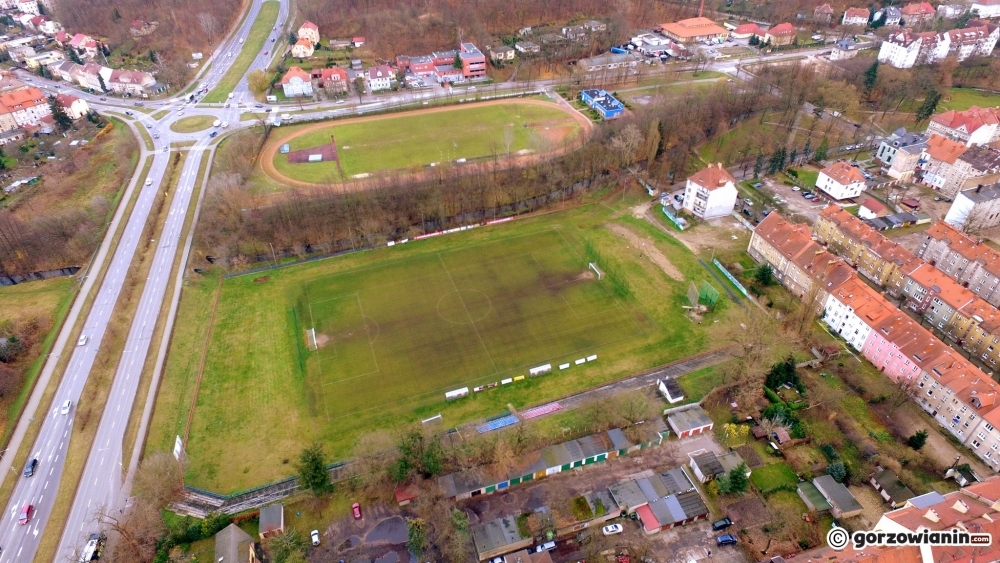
(423, 138)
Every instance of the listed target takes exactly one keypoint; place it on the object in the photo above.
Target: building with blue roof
(603, 103)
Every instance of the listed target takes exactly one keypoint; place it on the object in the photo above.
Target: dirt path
(647, 248)
(267, 155)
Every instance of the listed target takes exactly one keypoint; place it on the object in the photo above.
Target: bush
(918, 440)
(837, 470)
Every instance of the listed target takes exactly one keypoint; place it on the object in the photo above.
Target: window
(988, 455)
(964, 409)
(995, 446)
(975, 444)
(982, 435)
(988, 427)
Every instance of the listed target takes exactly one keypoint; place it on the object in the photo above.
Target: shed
(842, 502)
(781, 435)
(758, 432)
(811, 496)
(732, 460)
(272, 520)
(498, 537)
(706, 466)
(670, 390)
(406, 494)
(690, 422)
(911, 202)
(233, 545)
(871, 208)
(891, 488)
(619, 443)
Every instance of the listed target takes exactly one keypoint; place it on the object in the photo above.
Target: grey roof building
(272, 520)
(233, 545)
(842, 502)
(891, 488)
(498, 537)
(690, 422)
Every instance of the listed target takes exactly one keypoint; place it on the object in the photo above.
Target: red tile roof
(917, 9)
(843, 173)
(712, 177)
(969, 120)
(966, 247)
(309, 25)
(781, 30)
(944, 149)
(873, 205)
(857, 13)
(748, 29)
(295, 72)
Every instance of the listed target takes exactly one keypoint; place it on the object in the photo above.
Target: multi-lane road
(103, 484)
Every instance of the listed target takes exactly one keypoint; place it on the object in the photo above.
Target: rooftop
(712, 177)
(968, 120)
(496, 534)
(843, 173)
(694, 27)
(944, 149)
(689, 419)
(890, 483)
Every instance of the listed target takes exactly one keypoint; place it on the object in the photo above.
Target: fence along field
(465, 317)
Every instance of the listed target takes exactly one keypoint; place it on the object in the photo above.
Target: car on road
(66, 407)
(612, 529)
(721, 524)
(272, 40)
(166, 149)
(26, 513)
(266, 52)
(315, 537)
(727, 539)
(227, 105)
(213, 134)
(230, 95)
(156, 135)
(138, 104)
(338, 102)
(149, 181)
(128, 113)
(30, 467)
(103, 99)
(356, 509)
(180, 113)
(258, 106)
(241, 40)
(82, 340)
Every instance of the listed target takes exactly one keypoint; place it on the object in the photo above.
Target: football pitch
(465, 317)
(438, 135)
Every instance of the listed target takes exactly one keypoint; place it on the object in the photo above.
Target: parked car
(357, 511)
(938, 198)
(315, 537)
(612, 529)
(30, 467)
(728, 539)
(796, 188)
(678, 197)
(747, 201)
(757, 184)
(548, 546)
(26, 513)
(721, 524)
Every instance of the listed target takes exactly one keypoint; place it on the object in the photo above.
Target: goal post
(312, 333)
(600, 274)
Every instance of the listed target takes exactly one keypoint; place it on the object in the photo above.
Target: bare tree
(373, 453)
(508, 139)
(132, 532)
(209, 25)
(159, 479)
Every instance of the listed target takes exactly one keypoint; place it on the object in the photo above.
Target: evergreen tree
(738, 480)
(879, 21)
(927, 108)
(62, 119)
(777, 162)
(458, 61)
(116, 16)
(807, 150)
(793, 156)
(153, 57)
(312, 470)
(871, 78)
(758, 165)
(918, 440)
(100, 80)
(820, 153)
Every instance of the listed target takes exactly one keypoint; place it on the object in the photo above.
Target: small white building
(710, 192)
(296, 82)
(986, 8)
(379, 78)
(841, 181)
(975, 209)
(302, 49)
(871, 209)
(309, 30)
(75, 107)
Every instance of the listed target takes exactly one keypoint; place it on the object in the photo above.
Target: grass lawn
(422, 138)
(698, 384)
(807, 176)
(964, 98)
(770, 477)
(192, 124)
(398, 327)
(266, 18)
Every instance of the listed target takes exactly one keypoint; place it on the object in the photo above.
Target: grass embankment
(395, 331)
(192, 124)
(254, 42)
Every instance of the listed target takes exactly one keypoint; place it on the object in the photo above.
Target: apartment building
(964, 259)
(875, 257)
(976, 208)
(951, 166)
(974, 126)
(710, 192)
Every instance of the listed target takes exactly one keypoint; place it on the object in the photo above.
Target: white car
(612, 529)
(82, 341)
(66, 406)
(315, 537)
(180, 113)
(149, 181)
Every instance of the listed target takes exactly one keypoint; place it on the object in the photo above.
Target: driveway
(794, 204)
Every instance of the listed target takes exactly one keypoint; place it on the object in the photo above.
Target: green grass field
(964, 98)
(249, 49)
(420, 139)
(398, 327)
(192, 124)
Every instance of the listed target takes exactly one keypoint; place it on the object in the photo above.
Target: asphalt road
(103, 483)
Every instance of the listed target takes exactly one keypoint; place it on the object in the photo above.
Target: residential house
(499, 537)
(891, 488)
(747, 31)
(690, 422)
(473, 61)
(85, 45)
(841, 181)
(951, 11)
(976, 38)
(91, 75)
(595, 26)
(917, 13)
(8, 126)
(975, 209)
(907, 146)
(379, 78)
(845, 48)
(974, 126)
(574, 32)
(11, 136)
(952, 167)
(75, 107)
(891, 14)
(710, 192)
(296, 82)
(964, 259)
(501, 53)
(608, 61)
(310, 31)
(798, 261)
(781, 34)
(527, 47)
(45, 58)
(842, 502)
(28, 107)
(871, 208)
(693, 30)
(28, 7)
(823, 14)
(132, 82)
(603, 103)
(272, 520)
(21, 52)
(853, 308)
(357, 42)
(986, 8)
(856, 16)
(904, 49)
(302, 49)
(233, 545)
(331, 79)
